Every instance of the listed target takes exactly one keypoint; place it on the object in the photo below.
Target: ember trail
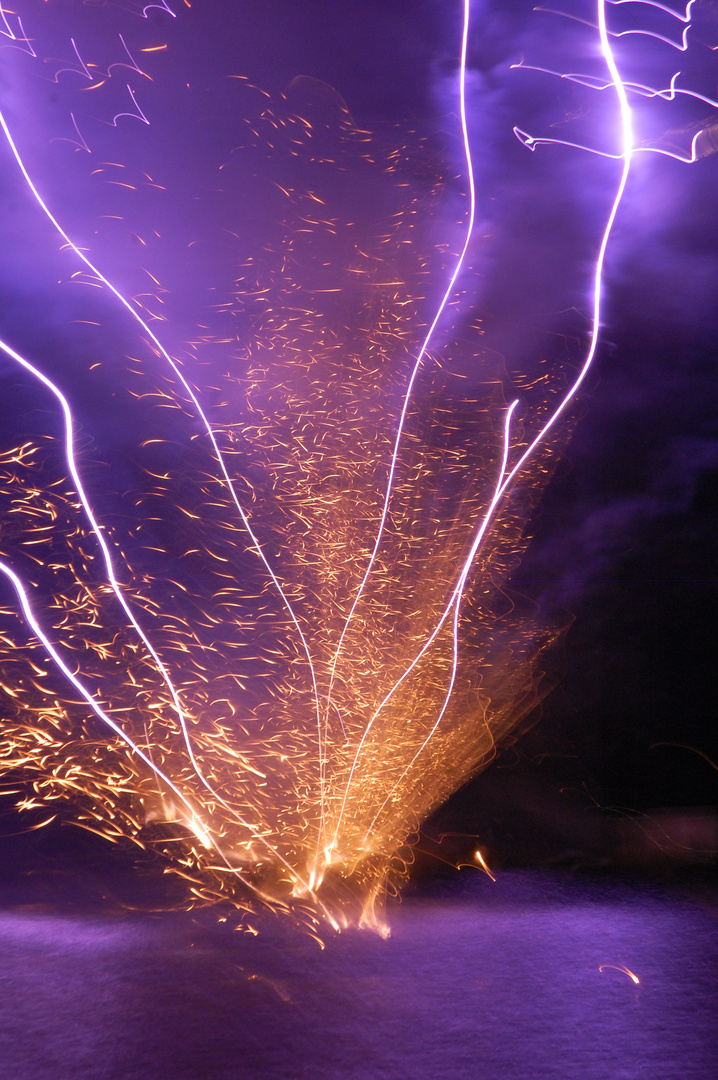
(259, 622)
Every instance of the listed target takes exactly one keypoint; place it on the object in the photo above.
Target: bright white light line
(38, 632)
(455, 603)
(628, 150)
(684, 18)
(194, 822)
(594, 83)
(531, 143)
(109, 568)
(668, 94)
(194, 818)
(7, 32)
(160, 7)
(107, 557)
(208, 427)
(420, 358)
(109, 565)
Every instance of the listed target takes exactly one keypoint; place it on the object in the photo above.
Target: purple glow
(336, 771)
(200, 412)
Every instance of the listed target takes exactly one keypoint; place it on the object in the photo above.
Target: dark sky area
(624, 539)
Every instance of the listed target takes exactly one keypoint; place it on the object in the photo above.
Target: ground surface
(476, 981)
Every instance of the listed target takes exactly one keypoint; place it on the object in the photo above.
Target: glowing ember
(621, 967)
(272, 657)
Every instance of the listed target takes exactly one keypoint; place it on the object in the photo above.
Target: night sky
(623, 544)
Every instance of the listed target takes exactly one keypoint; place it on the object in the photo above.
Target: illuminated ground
(477, 980)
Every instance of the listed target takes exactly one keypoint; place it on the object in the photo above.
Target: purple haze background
(624, 537)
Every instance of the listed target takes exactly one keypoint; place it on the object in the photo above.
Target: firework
(274, 640)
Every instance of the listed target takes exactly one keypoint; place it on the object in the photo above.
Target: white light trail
(626, 138)
(200, 412)
(420, 357)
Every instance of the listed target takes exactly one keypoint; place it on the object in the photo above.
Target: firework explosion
(269, 634)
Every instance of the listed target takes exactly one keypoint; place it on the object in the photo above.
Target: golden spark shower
(256, 612)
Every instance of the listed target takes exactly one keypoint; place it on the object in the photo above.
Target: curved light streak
(200, 412)
(455, 603)
(104, 547)
(687, 159)
(110, 571)
(685, 18)
(195, 823)
(160, 7)
(117, 590)
(420, 357)
(669, 93)
(7, 31)
(626, 128)
(37, 630)
(594, 83)
(505, 478)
